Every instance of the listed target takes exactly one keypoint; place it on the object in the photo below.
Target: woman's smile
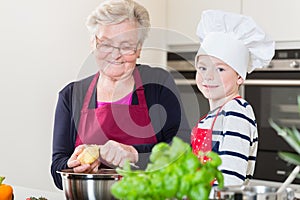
(116, 62)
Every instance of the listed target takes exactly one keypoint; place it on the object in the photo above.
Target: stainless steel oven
(273, 92)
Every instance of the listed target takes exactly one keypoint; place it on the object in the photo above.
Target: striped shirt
(235, 139)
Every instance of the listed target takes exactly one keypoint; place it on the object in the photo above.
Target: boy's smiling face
(215, 79)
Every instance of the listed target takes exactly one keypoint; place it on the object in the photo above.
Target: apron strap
(212, 126)
(90, 91)
(139, 87)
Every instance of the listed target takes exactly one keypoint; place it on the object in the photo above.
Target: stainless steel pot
(79, 186)
(253, 193)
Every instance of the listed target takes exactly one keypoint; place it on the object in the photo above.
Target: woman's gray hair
(116, 11)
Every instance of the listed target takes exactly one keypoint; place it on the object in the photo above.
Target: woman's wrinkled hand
(74, 163)
(116, 153)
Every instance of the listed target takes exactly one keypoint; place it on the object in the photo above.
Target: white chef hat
(235, 39)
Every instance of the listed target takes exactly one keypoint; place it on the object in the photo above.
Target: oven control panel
(284, 60)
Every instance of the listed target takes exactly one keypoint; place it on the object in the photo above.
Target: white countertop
(21, 193)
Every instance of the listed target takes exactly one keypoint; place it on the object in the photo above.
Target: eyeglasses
(107, 48)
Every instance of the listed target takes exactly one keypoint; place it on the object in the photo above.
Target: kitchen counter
(21, 193)
(256, 182)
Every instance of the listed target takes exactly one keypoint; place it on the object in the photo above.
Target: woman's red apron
(201, 139)
(127, 124)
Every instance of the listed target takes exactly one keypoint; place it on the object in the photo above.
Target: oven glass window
(278, 103)
(282, 106)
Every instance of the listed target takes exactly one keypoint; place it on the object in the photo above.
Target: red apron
(201, 139)
(127, 124)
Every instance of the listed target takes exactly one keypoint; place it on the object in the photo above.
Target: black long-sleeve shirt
(165, 109)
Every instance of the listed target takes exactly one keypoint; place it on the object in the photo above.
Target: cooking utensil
(94, 186)
(253, 193)
(289, 179)
(134, 165)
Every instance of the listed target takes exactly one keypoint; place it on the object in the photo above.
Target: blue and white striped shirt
(235, 139)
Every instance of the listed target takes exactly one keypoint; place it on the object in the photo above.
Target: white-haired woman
(112, 107)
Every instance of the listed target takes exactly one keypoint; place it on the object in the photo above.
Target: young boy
(231, 46)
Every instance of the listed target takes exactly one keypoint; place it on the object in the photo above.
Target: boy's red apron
(201, 139)
(127, 124)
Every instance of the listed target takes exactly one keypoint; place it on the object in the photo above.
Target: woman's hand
(82, 168)
(116, 153)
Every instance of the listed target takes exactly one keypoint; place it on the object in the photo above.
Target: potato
(89, 154)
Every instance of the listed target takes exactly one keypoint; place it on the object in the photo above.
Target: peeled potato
(89, 154)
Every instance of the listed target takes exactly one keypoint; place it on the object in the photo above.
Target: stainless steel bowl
(80, 186)
(253, 193)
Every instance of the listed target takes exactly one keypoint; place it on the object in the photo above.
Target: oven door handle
(185, 81)
(265, 82)
(271, 82)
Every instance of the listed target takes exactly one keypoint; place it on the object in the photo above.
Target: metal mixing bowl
(81, 186)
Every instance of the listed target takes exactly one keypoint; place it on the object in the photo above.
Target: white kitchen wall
(43, 45)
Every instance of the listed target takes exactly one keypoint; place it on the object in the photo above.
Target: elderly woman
(125, 107)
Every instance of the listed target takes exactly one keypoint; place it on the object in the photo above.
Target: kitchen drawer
(272, 168)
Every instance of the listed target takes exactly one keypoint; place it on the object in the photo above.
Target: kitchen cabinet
(153, 52)
(183, 17)
(279, 18)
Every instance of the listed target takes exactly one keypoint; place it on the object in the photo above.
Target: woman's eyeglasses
(124, 49)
